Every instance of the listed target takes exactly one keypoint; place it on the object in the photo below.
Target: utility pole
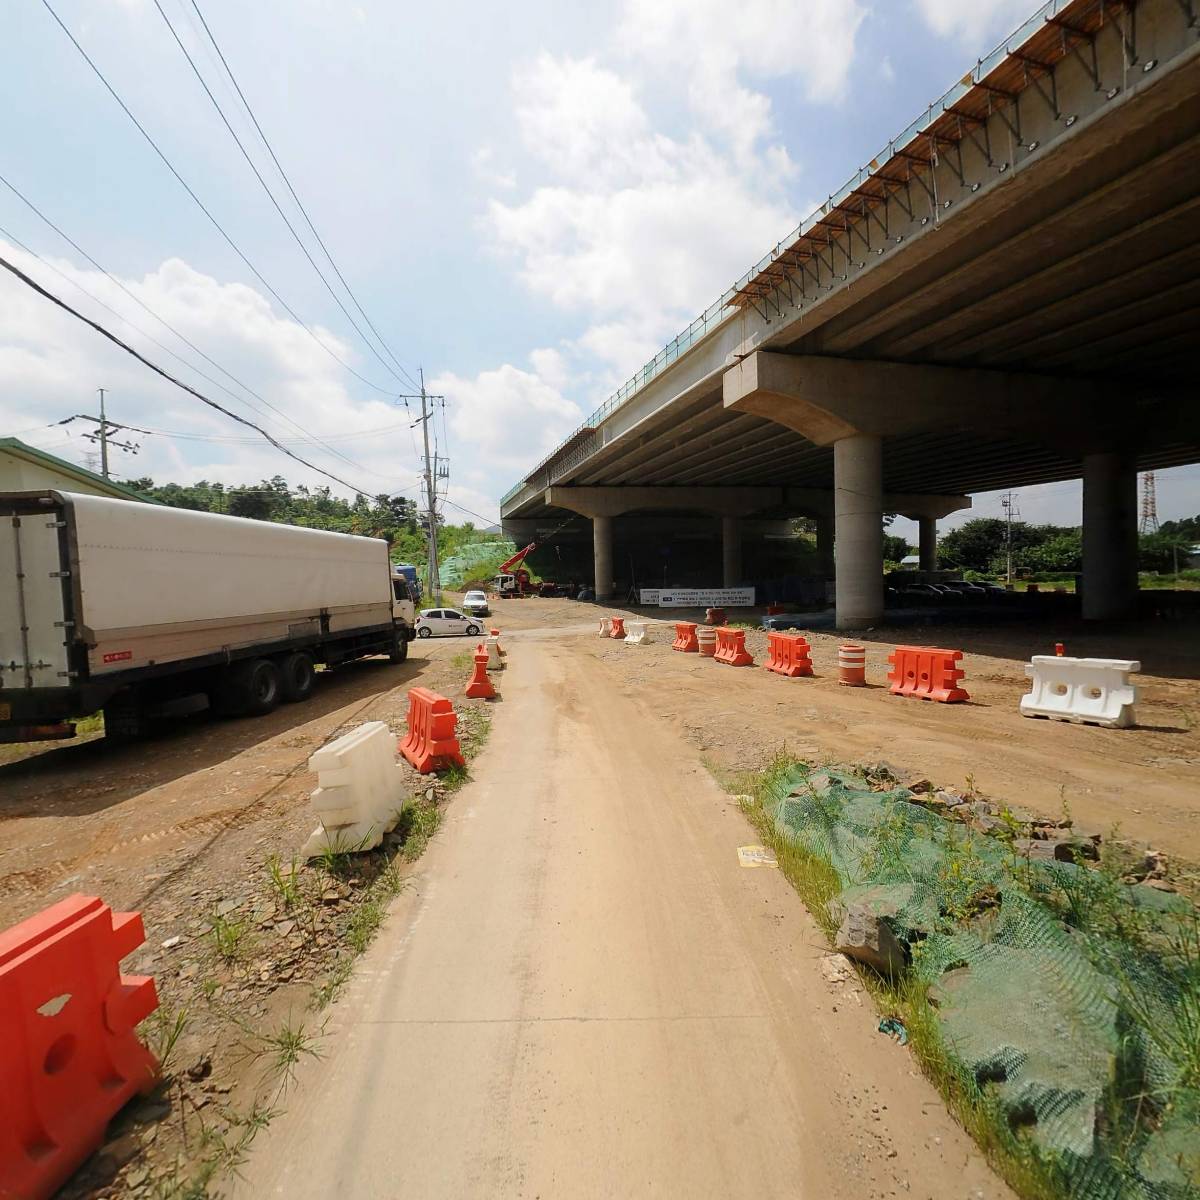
(430, 495)
(104, 431)
(1009, 503)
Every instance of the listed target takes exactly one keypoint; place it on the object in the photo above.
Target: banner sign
(698, 597)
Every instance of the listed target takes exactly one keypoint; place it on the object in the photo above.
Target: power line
(161, 320)
(299, 204)
(112, 337)
(270, 195)
(200, 204)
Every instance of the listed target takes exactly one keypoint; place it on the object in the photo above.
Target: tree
(1059, 554)
(895, 548)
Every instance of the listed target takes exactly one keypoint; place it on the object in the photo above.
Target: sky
(526, 200)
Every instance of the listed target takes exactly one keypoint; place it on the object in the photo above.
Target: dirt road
(585, 994)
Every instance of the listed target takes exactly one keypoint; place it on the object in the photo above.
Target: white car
(476, 603)
(446, 622)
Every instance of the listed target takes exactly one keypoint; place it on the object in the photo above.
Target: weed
(336, 858)
(462, 660)
(284, 881)
(167, 1027)
(228, 936)
(962, 876)
(391, 882)
(286, 1046)
(366, 919)
(326, 992)
(418, 823)
(208, 987)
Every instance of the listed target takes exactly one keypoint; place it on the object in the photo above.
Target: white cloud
(50, 366)
(977, 24)
(508, 417)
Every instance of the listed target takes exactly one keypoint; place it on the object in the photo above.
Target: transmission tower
(1149, 521)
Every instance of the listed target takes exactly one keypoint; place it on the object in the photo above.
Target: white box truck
(145, 610)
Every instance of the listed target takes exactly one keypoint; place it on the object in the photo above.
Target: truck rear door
(33, 630)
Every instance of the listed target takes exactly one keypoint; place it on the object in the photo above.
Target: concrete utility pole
(1009, 503)
(430, 495)
(104, 431)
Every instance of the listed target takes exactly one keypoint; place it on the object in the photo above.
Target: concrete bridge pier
(858, 524)
(1110, 540)
(825, 546)
(927, 535)
(602, 556)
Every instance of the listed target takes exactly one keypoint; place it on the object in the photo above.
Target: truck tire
(399, 650)
(125, 717)
(297, 677)
(252, 688)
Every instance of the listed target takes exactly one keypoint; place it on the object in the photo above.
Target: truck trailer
(147, 611)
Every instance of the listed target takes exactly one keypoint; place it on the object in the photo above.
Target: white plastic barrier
(495, 661)
(637, 633)
(360, 792)
(1089, 691)
(606, 626)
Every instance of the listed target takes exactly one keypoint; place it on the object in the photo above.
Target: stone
(1035, 849)
(949, 799)
(172, 942)
(866, 936)
(200, 1069)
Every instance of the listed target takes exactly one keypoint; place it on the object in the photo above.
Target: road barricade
(852, 665)
(360, 791)
(706, 639)
(494, 634)
(927, 673)
(618, 627)
(715, 617)
(685, 637)
(637, 633)
(431, 743)
(788, 654)
(495, 656)
(731, 648)
(606, 627)
(69, 1057)
(479, 686)
(1087, 691)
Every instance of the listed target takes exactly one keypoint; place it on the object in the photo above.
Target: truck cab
(404, 606)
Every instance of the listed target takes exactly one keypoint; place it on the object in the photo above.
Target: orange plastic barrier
(431, 743)
(479, 687)
(852, 665)
(927, 673)
(731, 648)
(685, 637)
(714, 616)
(618, 627)
(69, 1057)
(789, 654)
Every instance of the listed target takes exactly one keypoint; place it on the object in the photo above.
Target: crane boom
(508, 564)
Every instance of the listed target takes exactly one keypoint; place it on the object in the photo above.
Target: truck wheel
(297, 677)
(125, 717)
(399, 650)
(252, 689)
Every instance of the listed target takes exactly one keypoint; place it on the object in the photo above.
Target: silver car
(476, 603)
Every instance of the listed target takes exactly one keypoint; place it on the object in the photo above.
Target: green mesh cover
(1054, 986)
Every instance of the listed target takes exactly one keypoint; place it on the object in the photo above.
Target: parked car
(965, 588)
(446, 622)
(476, 603)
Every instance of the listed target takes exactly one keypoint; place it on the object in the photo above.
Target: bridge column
(602, 556)
(858, 518)
(731, 551)
(1110, 545)
(928, 542)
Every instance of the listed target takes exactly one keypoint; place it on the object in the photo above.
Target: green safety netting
(1069, 1002)
(458, 568)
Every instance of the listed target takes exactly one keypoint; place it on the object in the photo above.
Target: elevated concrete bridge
(1007, 295)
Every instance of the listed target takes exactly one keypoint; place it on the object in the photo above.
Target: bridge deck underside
(1097, 274)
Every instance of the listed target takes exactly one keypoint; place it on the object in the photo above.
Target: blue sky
(527, 199)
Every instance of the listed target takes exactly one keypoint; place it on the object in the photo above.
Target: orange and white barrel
(852, 665)
(706, 635)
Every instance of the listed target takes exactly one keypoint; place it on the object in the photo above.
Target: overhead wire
(160, 319)
(13, 269)
(204, 209)
(299, 203)
(271, 195)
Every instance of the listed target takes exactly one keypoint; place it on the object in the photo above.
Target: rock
(1155, 864)
(866, 936)
(200, 1069)
(172, 942)
(949, 799)
(1074, 850)
(227, 906)
(1035, 849)
(1159, 885)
